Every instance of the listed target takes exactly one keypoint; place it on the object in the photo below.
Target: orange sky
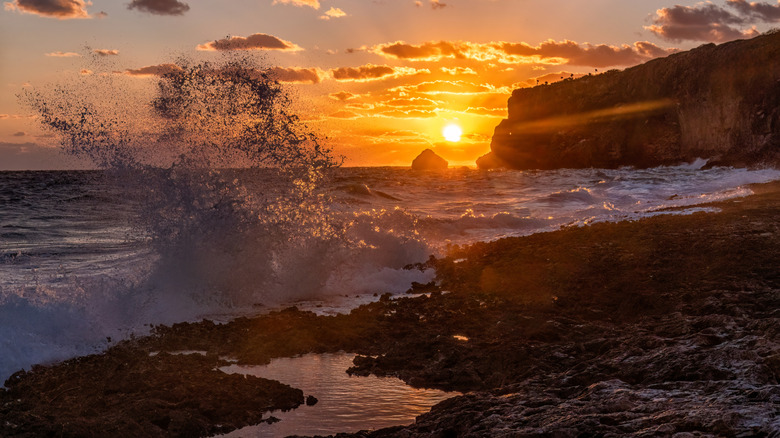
(379, 79)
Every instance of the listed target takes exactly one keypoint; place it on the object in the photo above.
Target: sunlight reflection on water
(346, 403)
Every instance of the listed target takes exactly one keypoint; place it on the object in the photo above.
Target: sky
(379, 80)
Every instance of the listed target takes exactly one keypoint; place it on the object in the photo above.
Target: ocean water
(82, 259)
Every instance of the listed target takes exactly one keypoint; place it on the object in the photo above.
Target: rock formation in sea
(429, 160)
(716, 102)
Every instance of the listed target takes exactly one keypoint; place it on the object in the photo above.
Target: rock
(721, 103)
(311, 400)
(428, 160)
(490, 161)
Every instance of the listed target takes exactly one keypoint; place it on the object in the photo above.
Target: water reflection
(346, 403)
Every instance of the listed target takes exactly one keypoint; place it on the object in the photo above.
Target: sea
(83, 264)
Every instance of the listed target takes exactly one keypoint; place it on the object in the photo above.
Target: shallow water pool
(346, 403)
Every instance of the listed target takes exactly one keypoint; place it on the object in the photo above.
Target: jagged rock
(716, 102)
(428, 160)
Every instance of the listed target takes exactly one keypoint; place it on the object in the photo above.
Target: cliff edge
(717, 102)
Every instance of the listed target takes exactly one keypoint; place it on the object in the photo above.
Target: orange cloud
(296, 75)
(153, 70)
(106, 52)
(333, 13)
(371, 72)
(344, 114)
(63, 54)
(548, 52)
(258, 41)
(458, 71)
(160, 7)
(449, 87)
(310, 3)
(60, 9)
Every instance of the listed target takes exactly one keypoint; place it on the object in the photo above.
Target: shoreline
(623, 328)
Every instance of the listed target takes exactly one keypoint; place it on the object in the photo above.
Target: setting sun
(452, 132)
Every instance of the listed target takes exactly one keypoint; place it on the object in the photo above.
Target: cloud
(153, 70)
(371, 72)
(429, 51)
(106, 52)
(449, 87)
(258, 41)
(333, 13)
(709, 22)
(344, 114)
(435, 4)
(297, 75)
(160, 7)
(63, 54)
(60, 9)
(572, 53)
(761, 11)
(549, 52)
(458, 71)
(342, 96)
(310, 3)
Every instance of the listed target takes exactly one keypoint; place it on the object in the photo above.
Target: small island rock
(428, 160)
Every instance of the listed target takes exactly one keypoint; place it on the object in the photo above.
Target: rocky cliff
(718, 102)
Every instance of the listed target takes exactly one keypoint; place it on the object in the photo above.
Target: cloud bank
(713, 23)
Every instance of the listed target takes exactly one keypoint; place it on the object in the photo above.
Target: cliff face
(717, 102)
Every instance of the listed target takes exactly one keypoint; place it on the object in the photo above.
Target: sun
(452, 132)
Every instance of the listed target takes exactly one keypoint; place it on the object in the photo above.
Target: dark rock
(428, 160)
(311, 400)
(716, 102)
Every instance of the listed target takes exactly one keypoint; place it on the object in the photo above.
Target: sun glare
(452, 132)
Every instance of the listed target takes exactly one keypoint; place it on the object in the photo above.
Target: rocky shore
(668, 326)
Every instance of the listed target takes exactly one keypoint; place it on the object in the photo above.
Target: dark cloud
(160, 7)
(572, 53)
(709, 22)
(296, 75)
(342, 96)
(258, 41)
(61, 9)
(362, 73)
(429, 51)
(371, 72)
(153, 70)
(761, 11)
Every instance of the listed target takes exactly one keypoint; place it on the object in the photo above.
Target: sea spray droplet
(224, 172)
